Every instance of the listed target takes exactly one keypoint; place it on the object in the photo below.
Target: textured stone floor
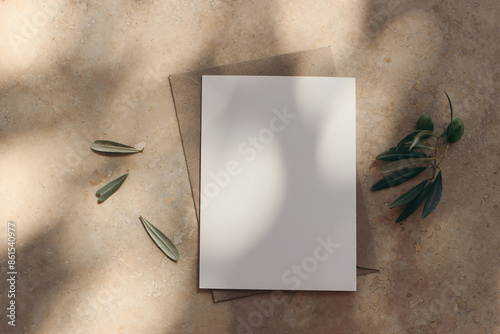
(75, 71)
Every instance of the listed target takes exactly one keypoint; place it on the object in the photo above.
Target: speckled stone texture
(75, 71)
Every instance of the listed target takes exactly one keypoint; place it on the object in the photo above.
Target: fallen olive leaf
(161, 240)
(108, 146)
(110, 188)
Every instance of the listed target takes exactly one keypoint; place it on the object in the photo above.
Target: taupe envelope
(186, 91)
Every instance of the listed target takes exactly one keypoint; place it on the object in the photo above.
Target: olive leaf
(409, 137)
(393, 155)
(110, 188)
(435, 191)
(413, 205)
(408, 196)
(400, 164)
(161, 240)
(415, 147)
(420, 135)
(108, 146)
(397, 178)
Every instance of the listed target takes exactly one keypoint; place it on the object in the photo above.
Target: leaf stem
(444, 156)
(435, 165)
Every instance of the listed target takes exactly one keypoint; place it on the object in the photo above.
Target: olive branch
(412, 156)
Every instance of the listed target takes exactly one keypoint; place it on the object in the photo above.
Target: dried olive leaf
(110, 188)
(161, 240)
(108, 146)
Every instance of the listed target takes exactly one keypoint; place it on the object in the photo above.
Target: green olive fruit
(455, 130)
(425, 123)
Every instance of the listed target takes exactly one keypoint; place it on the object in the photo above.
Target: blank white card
(278, 183)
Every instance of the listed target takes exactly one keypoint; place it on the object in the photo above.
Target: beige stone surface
(75, 71)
